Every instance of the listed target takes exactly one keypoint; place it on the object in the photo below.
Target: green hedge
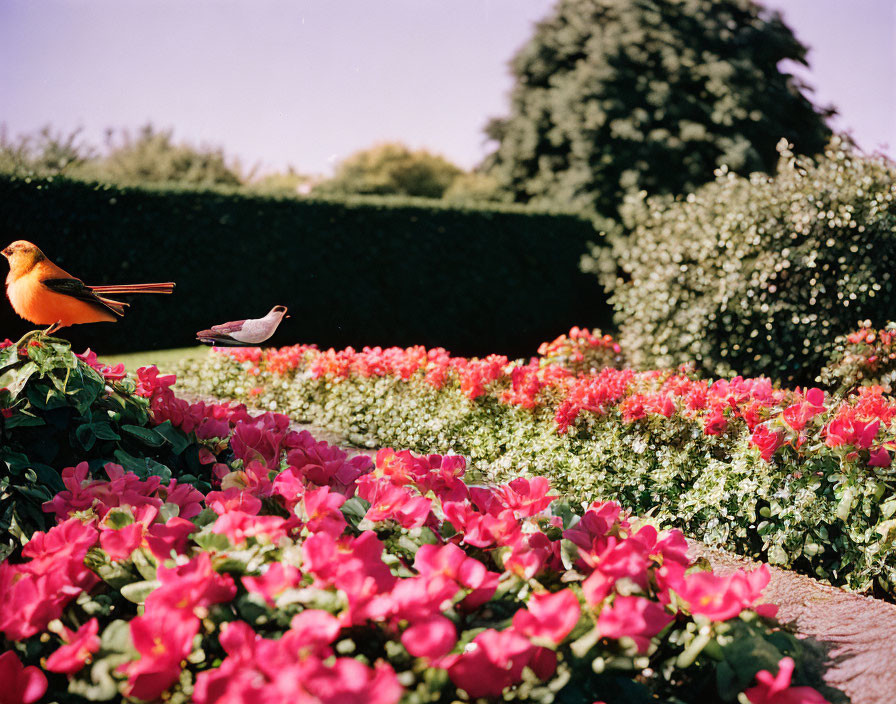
(356, 272)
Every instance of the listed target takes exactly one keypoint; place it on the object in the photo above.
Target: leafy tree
(619, 96)
(152, 156)
(391, 169)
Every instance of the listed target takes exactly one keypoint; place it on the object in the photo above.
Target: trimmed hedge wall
(353, 272)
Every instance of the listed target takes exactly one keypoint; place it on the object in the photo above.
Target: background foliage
(352, 272)
(614, 97)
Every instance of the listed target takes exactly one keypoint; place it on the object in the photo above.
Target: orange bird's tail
(134, 288)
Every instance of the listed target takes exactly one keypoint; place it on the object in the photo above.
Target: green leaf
(178, 439)
(138, 591)
(354, 510)
(15, 379)
(85, 435)
(146, 435)
(104, 431)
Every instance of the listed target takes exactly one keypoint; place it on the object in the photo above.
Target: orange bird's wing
(77, 289)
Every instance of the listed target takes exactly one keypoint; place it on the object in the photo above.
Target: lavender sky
(307, 82)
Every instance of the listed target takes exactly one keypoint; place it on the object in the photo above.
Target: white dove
(244, 332)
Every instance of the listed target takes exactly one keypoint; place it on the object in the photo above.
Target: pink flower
(798, 414)
(715, 423)
(172, 536)
(526, 497)
(634, 617)
(119, 544)
(278, 578)
(34, 593)
(21, 685)
(597, 587)
(190, 587)
(312, 631)
(847, 429)
(548, 616)
(162, 639)
(492, 662)
(432, 638)
(239, 527)
(777, 690)
(720, 597)
(79, 646)
(388, 501)
(233, 499)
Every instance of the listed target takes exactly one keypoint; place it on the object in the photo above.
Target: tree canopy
(152, 156)
(619, 96)
(392, 169)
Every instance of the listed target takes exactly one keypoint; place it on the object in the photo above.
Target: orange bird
(44, 294)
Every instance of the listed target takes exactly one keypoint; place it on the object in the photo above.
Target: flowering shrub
(795, 477)
(758, 275)
(304, 575)
(865, 357)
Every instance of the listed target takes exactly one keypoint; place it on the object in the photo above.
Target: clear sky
(307, 82)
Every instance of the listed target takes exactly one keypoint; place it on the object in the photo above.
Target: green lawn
(163, 359)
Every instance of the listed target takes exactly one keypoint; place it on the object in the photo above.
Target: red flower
(767, 441)
(879, 458)
(21, 685)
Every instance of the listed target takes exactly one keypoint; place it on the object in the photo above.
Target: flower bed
(793, 477)
(296, 573)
